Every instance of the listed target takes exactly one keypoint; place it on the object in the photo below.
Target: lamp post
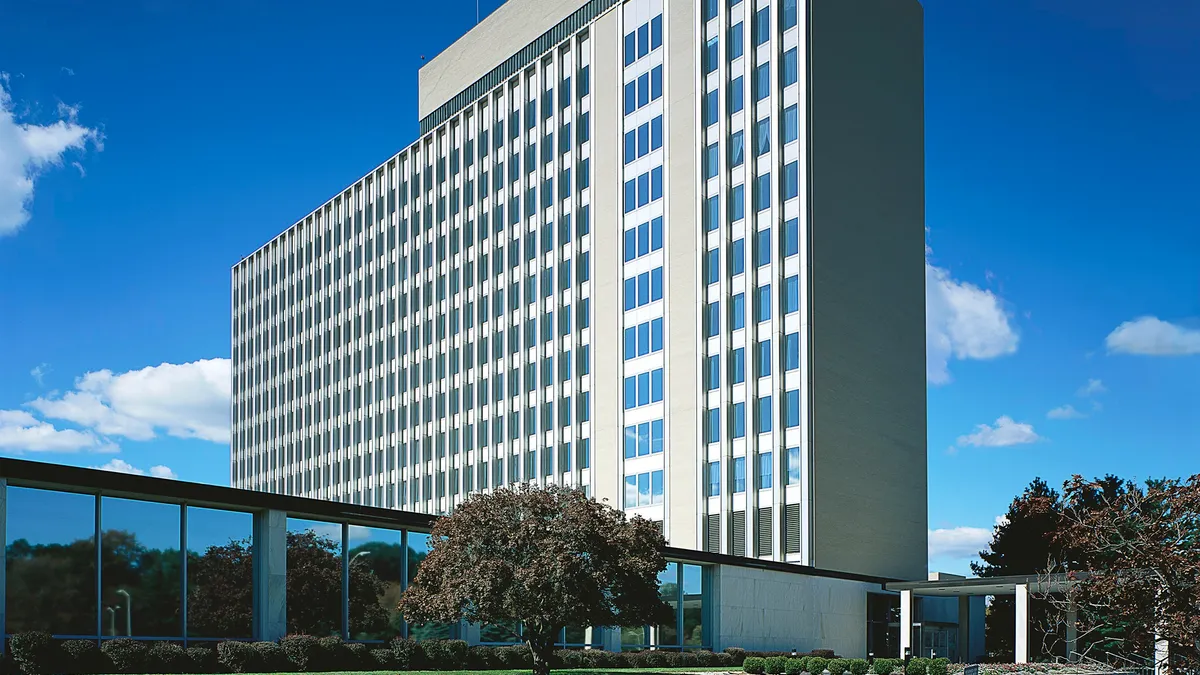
(112, 619)
(128, 611)
(356, 556)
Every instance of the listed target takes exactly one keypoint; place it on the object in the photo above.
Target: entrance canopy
(964, 588)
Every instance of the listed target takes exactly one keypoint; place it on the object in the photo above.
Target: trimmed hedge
(781, 665)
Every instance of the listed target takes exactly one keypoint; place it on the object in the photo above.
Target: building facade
(668, 251)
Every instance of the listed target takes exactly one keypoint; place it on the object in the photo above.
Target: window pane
(141, 567)
(51, 562)
(418, 549)
(668, 591)
(693, 610)
(376, 562)
(220, 580)
(314, 569)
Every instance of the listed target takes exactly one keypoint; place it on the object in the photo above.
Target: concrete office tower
(671, 251)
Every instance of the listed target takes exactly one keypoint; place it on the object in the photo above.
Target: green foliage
(824, 653)
(817, 664)
(937, 666)
(885, 666)
(167, 657)
(861, 667)
(82, 657)
(126, 655)
(408, 654)
(754, 665)
(303, 651)
(775, 665)
(203, 659)
(34, 652)
(795, 666)
(239, 657)
(478, 658)
(334, 655)
(445, 654)
(489, 558)
(514, 657)
(384, 659)
(916, 666)
(837, 666)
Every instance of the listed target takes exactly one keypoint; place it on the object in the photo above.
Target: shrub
(687, 660)
(478, 658)
(514, 657)
(444, 654)
(859, 666)
(166, 657)
(755, 665)
(408, 654)
(358, 657)
(201, 659)
(885, 666)
(383, 659)
(34, 652)
(705, 658)
(728, 661)
(824, 653)
(598, 658)
(81, 657)
(774, 665)
(334, 655)
(737, 653)
(817, 664)
(837, 666)
(303, 651)
(126, 655)
(916, 666)
(794, 666)
(239, 657)
(937, 666)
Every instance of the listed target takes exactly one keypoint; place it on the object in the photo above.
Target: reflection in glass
(575, 637)
(499, 634)
(693, 606)
(51, 562)
(376, 562)
(141, 571)
(418, 549)
(668, 592)
(314, 577)
(220, 572)
(633, 637)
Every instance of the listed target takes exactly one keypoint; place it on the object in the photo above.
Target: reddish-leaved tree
(543, 558)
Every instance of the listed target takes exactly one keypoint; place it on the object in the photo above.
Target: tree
(544, 558)
(1138, 550)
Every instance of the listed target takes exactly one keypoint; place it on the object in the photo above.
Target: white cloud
(1006, 432)
(26, 150)
(962, 321)
(118, 465)
(22, 432)
(189, 400)
(1151, 336)
(958, 542)
(1065, 412)
(39, 372)
(1093, 387)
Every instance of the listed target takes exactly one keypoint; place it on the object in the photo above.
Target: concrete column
(964, 629)
(906, 621)
(3, 567)
(470, 633)
(1072, 632)
(1021, 639)
(1162, 656)
(610, 638)
(270, 575)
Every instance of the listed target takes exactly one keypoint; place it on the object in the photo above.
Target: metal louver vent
(738, 545)
(763, 540)
(712, 533)
(792, 520)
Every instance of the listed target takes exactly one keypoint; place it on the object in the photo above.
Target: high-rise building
(669, 251)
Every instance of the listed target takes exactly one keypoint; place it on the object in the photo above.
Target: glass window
(762, 26)
(791, 351)
(762, 81)
(793, 466)
(762, 192)
(714, 479)
(791, 418)
(51, 563)
(314, 551)
(142, 566)
(736, 95)
(791, 237)
(737, 312)
(631, 492)
(712, 161)
(712, 107)
(712, 426)
(630, 48)
(736, 151)
(375, 562)
(668, 591)
(656, 28)
(762, 247)
(791, 180)
(737, 421)
(712, 265)
(656, 83)
(711, 54)
(712, 372)
(737, 366)
(738, 475)
(735, 41)
(765, 470)
(220, 574)
(643, 40)
(787, 17)
(791, 294)
(762, 303)
(737, 203)
(763, 413)
(764, 358)
(789, 67)
(693, 611)
(737, 257)
(712, 213)
(710, 9)
(762, 136)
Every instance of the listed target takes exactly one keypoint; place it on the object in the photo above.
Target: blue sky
(147, 146)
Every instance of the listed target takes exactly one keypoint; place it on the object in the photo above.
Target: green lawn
(573, 671)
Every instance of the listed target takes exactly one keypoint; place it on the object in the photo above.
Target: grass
(556, 671)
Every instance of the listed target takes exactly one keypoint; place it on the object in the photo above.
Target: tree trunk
(542, 652)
